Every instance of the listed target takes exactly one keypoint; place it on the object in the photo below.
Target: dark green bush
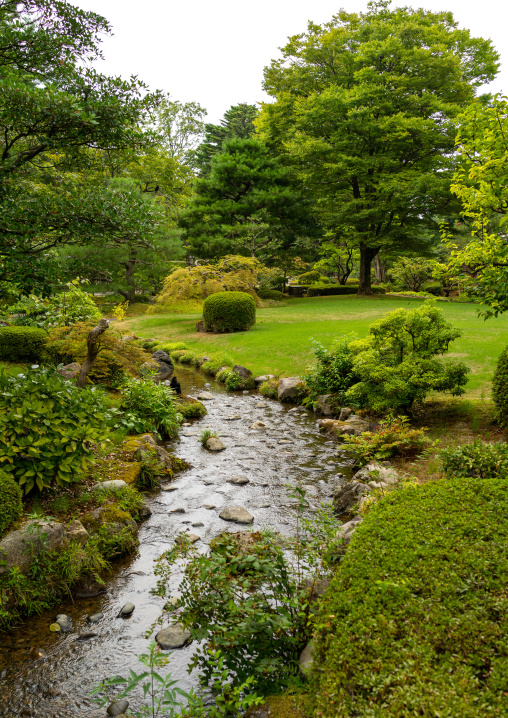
(476, 459)
(433, 288)
(11, 505)
(229, 312)
(309, 277)
(325, 290)
(22, 344)
(273, 294)
(500, 387)
(415, 620)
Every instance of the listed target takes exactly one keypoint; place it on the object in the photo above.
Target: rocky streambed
(267, 445)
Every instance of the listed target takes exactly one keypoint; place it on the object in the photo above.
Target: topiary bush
(309, 277)
(11, 505)
(22, 344)
(229, 312)
(272, 294)
(500, 388)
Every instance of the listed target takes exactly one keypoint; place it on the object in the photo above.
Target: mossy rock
(191, 408)
(278, 707)
(112, 530)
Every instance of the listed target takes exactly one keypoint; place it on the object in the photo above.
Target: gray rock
(305, 661)
(174, 636)
(348, 496)
(325, 405)
(112, 484)
(169, 487)
(214, 444)
(259, 425)
(197, 524)
(345, 413)
(70, 371)
(75, 531)
(347, 530)
(242, 371)
(117, 708)
(161, 355)
(261, 379)
(261, 405)
(127, 609)
(65, 622)
(144, 510)
(234, 417)
(375, 474)
(237, 514)
(354, 426)
(209, 507)
(178, 510)
(166, 368)
(239, 480)
(289, 389)
(87, 636)
(190, 538)
(18, 548)
(95, 617)
(205, 396)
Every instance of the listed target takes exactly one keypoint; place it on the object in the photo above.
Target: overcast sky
(215, 52)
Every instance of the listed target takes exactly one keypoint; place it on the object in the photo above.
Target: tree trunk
(367, 254)
(380, 269)
(92, 351)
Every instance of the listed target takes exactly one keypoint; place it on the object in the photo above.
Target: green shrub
(394, 437)
(22, 344)
(234, 382)
(500, 388)
(171, 346)
(148, 407)
(434, 288)
(63, 309)
(309, 277)
(212, 366)
(183, 356)
(273, 294)
(49, 428)
(324, 280)
(269, 388)
(333, 373)
(223, 374)
(414, 622)
(229, 312)
(11, 504)
(476, 459)
(325, 290)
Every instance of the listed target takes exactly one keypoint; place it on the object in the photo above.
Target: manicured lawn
(280, 343)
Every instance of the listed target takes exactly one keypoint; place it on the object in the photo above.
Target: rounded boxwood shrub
(309, 278)
(500, 387)
(270, 294)
(229, 312)
(11, 505)
(22, 343)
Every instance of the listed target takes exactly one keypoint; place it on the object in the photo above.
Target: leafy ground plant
(394, 437)
(149, 407)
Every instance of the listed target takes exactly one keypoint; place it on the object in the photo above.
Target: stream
(289, 451)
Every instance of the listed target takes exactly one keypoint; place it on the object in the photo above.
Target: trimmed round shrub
(270, 294)
(309, 278)
(11, 505)
(229, 312)
(500, 387)
(22, 343)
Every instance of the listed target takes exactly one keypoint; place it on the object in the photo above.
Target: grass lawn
(280, 342)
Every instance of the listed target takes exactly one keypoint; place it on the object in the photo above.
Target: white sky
(214, 52)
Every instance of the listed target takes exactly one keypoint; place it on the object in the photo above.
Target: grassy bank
(280, 342)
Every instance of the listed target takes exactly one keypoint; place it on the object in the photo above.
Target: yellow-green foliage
(186, 288)
(116, 358)
(11, 505)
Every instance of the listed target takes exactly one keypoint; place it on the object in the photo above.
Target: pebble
(261, 405)
(234, 417)
(179, 510)
(197, 524)
(239, 480)
(173, 637)
(95, 617)
(169, 487)
(209, 506)
(237, 514)
(126, 609)
(86, 636)
(205, 396)
(117, 708)
(64, 621)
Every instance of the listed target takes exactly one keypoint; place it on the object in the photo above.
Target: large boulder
(70, 371)
(214, 444)
(353, 426)
(20, 547)
(237, 514)
(348, 496)
(325, 405)
(114, 519)
(75, 531)
(375, 474)
(290, 389)
(166, 368)
(175, 636)
(242, 371)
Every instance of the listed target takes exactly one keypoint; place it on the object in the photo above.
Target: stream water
(290, 450)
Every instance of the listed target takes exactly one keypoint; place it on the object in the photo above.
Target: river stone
(173, 637)
(214, 444)
(117, 708)
(112, 484)
(209, 507)
(36, 537)
(126, 609)
(261, 405)
(190, 538)
(237, 514)
(259, 425)
(305, 660)
(205, 396)
(87, 636)
(164, 364)
(144, 510)
(197, 524)
(235, 417)
(347, 530)
(325, 405)
(239, 479)
(178, 510)
(374, 472)
(75, 531)
(263, 378)
(348, 496)
(95, 617)
(64, 621)
(242, 371)
(169, 487)
(345, 413)
(289, 389)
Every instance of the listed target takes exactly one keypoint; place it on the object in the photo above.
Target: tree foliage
(237, 123)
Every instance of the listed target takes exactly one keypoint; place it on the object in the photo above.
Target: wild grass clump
(207, 434)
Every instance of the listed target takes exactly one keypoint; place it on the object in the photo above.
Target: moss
(269, 388)
(191, 408)
(11, 504)
(278, 707)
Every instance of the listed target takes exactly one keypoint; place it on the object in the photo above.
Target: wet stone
(64, 621)
(190, 538)
(117, 708)
(237, 514)
(95, 617)
(197, 524)
(214, 444)
(173, 637)
(169, 487)
(205, 396)
(179, 510)
(126, 609)
(209, 507)
(239, 480)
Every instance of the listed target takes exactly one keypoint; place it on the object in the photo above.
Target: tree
(337, 257)
(481, 184)
(181, 127)
(238, 122)
(246, 205)
(364, 112)
(412, 272)
(52, 114)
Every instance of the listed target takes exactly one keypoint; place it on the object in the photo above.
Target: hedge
(322, 290)
(229, 312)
(270, 294)
(500, 388)
(415, 622)
(22, 344)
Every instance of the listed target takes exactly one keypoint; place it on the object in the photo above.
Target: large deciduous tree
(364, 111)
